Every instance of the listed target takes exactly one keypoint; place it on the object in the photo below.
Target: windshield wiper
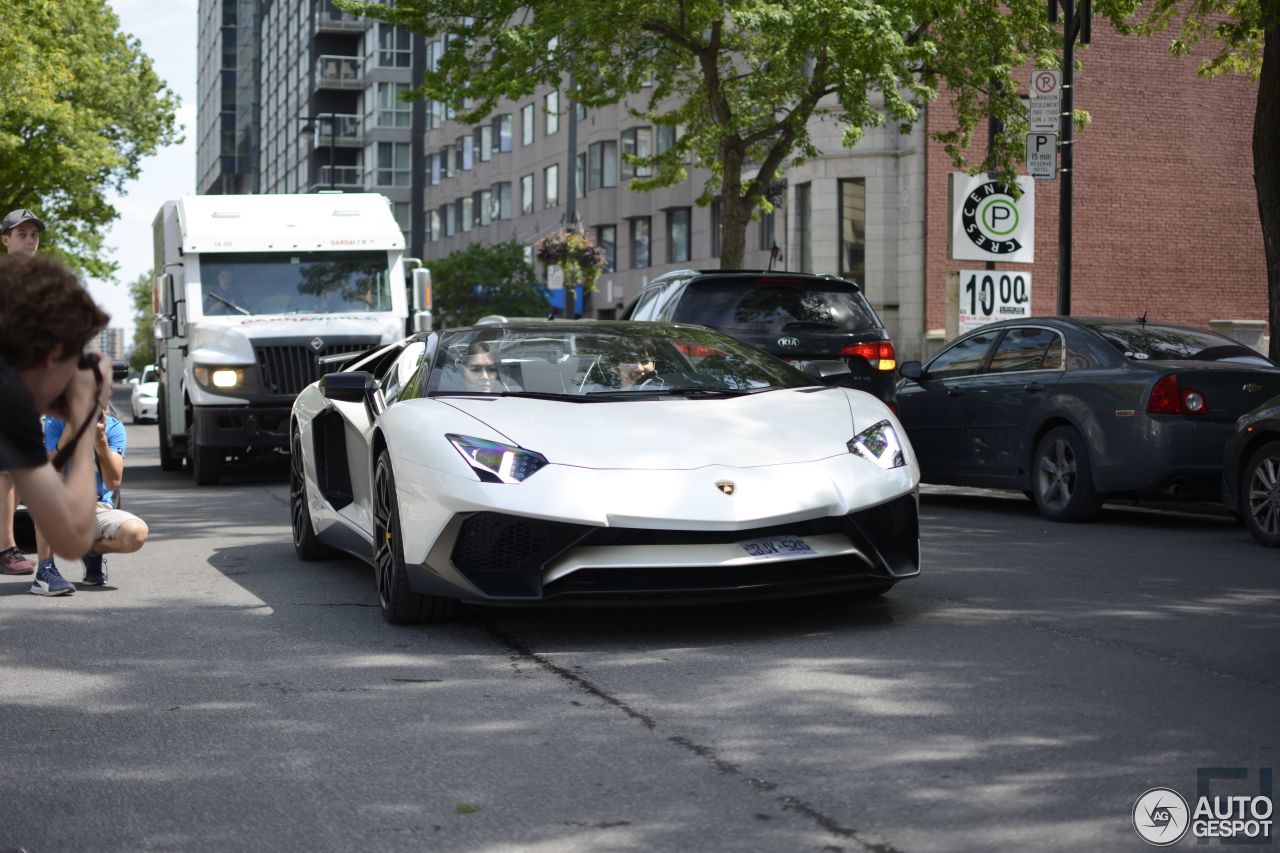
(230, 304)
(707, 392)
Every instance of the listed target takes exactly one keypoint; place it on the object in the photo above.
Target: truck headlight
(497, 463)
(879, 443)
(219, 378)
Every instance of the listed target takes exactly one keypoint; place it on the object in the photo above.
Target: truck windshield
(295, 283)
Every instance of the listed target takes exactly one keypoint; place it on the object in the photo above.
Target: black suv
(798, 317)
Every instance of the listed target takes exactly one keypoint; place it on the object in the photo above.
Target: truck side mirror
(164, 328)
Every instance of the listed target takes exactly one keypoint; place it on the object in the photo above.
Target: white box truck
(253, 292)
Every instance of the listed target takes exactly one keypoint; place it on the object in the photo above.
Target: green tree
(144, 323)
(1246, 39)
(80, 106)
(740, 79)
(507, 282)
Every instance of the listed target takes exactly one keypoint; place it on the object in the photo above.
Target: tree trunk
(735, 213)
(1266, 172)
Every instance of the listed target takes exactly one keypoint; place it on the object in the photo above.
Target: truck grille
(287, 369)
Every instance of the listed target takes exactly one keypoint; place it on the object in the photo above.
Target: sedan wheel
(304, 536)
(400, 604)
(1062, 478)
(1260, 494)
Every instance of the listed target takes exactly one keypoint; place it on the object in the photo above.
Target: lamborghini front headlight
(494, 462)
(879, 443)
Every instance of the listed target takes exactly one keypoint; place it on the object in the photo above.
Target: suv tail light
(878, 354)
(1168, 398)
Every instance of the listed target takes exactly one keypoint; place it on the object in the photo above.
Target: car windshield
(761, 304)
(1143, 341)
(295, 283)
(603, 361)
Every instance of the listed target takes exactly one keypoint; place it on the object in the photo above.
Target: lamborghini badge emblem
(726, 486)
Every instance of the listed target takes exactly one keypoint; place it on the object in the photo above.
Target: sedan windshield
(604, 361)
(1143, 341)
(295, 283)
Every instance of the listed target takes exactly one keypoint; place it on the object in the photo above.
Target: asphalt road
(1019, 695)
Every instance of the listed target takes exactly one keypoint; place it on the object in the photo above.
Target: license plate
(776, 546)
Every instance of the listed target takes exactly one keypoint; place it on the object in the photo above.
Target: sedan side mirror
(826, 372)
(912, 370)
(353, 387)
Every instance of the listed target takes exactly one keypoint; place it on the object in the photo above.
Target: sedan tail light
(1168, 398)
(879, 354)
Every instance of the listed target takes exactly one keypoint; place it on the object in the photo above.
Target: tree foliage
(505, 280)
(80, 106)
(1245, 37)
(740, 79)
(143, 351)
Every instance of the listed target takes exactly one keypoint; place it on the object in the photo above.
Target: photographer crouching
(46, 320)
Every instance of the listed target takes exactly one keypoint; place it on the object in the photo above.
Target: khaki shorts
(109, 520)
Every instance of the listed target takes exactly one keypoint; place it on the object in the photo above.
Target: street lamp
(309, 130)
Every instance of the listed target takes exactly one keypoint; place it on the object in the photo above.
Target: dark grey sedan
(1073, 409)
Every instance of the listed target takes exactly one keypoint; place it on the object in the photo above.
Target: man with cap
(20, 233)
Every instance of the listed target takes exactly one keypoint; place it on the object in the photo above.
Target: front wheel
(206, 462)
(1062, 480)
(1260, 494)
(168, 460)
(400, 604)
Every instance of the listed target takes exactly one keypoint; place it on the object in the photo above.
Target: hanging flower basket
(575, 253)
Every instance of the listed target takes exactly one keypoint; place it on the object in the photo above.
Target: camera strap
(61, 458)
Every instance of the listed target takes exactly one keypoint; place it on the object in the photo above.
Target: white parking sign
(990, 295)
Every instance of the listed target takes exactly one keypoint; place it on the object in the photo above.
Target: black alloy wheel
(304, 537)
(400, 604)
(1062, 480)
(1260, 494)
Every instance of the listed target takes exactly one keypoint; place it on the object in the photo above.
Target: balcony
(330, 19)
(339, 72)
(343, 131)
(343, 178)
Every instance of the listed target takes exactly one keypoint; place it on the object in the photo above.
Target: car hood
(773, 428)
(148, 389)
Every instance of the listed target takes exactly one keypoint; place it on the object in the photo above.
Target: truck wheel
(206, 462)
(168, 461)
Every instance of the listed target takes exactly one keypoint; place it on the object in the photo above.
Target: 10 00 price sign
(990, 295)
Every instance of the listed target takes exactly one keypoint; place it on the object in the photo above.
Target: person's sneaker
(95, 569)
(49, 582)
(14, 562)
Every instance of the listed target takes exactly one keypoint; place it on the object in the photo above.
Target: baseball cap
(14, 218)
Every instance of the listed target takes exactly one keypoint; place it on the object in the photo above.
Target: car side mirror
(826, 372)
(912, 370)
(353, 387)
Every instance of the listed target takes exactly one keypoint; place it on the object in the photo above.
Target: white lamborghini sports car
(599, 462)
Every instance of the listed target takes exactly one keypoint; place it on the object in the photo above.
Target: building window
(433, 225)
(666, 138)
(551, 103)
(607, 239)
(482, 142)
(501, 200)
(526, 124)
(580, 175)
(526, 194)
(804, 225)
(450, 222)
(433, 168)
(393, 164)
(853, 228)
(393, 46)
(602, 165)
(717, 220)
(502, 133)
(678, 235)
(466, 213)
(551, 185)
(636, 143)
(392, 112)
(640, 243)
(766, 230)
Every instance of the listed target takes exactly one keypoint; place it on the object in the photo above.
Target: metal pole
(1070, 27)
(417, 144)
(333, 146)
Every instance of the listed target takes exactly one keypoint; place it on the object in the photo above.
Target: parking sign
(1046, 99)
(1042, 155)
